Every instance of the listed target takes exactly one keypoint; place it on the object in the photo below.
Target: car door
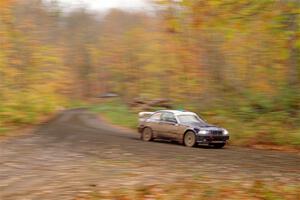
(168, 126)
(153, 123)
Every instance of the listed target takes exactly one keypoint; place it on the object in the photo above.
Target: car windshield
(187, 119)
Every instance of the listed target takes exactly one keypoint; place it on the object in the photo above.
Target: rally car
(182, 126)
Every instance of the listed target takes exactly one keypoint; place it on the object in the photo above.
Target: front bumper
(207, 139)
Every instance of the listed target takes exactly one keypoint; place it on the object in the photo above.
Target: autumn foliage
(236, 62)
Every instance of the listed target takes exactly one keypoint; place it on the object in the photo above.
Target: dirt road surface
(76, 153)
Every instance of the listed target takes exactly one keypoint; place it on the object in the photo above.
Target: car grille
(216, 132)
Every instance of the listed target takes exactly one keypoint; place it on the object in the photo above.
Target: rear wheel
(147, 134)
(190, 139)
(219, 146)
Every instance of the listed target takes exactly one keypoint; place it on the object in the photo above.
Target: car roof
(178, 112)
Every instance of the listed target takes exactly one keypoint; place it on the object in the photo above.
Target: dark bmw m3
(185, 127)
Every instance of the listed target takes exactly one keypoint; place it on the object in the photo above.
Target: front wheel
(147, 135)
(219, 146)
(190, 139)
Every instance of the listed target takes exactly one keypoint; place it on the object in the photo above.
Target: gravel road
(76, 153)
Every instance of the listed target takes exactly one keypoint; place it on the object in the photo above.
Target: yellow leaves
(209, 45)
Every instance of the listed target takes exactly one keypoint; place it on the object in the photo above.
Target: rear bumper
(207, 139)
(140, 129)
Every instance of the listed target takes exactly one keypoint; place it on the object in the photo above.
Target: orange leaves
(5, 6)
(6, 3)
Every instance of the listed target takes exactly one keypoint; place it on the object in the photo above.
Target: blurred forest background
(237, 63)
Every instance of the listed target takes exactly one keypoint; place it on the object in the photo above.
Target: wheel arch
(153, 133)
(184, 135)
(187, 130)
(145, 128)
(150, 138)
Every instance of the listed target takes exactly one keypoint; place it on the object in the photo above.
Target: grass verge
(116, 112)
(20, 120)
(262, 132)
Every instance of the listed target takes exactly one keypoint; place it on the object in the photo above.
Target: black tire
(218, 146)
(147, 134)
(189, 139)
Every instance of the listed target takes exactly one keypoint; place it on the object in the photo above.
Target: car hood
(203, 126)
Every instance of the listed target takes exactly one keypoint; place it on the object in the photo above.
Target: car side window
(156, 117)
(168, 117)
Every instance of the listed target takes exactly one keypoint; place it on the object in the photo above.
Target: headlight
(203, 132)
(225, 132)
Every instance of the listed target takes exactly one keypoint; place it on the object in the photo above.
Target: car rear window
(155, 116)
